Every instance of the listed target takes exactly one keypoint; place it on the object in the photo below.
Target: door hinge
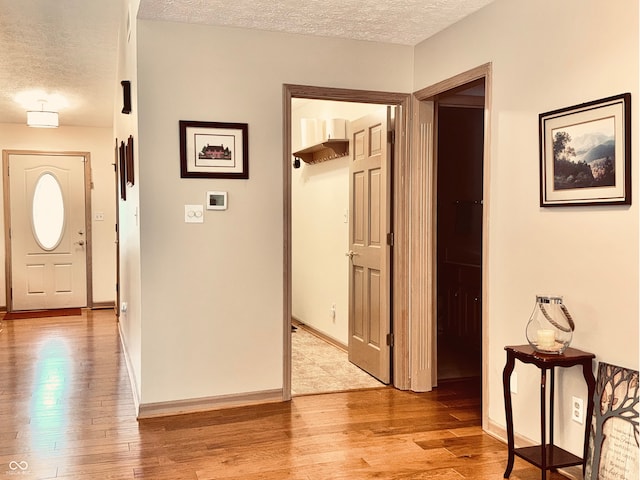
(390, 339)
(390, 239)
(391, 137)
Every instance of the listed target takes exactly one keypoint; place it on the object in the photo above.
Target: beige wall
(548, 55)
(130, 321)
(212, 293)
(98, 142)
(320, 232)
(207, 316)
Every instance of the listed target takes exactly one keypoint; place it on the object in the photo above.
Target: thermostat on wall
(216, 200)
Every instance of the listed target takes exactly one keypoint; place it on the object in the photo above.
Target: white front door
(47, 236)
(369, 279)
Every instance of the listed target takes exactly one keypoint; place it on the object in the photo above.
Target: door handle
(81, 243)
(351, 254)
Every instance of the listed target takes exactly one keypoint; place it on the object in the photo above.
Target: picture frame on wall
(129, 162)
(585, 154)
(122, 163)
(214, 150)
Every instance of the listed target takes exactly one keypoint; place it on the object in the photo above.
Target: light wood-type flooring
(66, 412)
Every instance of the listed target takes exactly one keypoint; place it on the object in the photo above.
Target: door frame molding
(422, 178)
(400, 257)
(7, 217)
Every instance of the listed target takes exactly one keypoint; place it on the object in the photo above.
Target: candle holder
(550, 328)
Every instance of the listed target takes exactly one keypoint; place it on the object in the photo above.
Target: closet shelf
(321, 152)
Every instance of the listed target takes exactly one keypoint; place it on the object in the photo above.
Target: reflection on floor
(319, 367)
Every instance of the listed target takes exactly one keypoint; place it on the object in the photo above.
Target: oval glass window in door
(48, 212)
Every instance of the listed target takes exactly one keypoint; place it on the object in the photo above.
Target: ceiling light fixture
(42, 118)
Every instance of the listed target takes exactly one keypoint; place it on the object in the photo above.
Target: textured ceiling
(406, 22)
(67, 49)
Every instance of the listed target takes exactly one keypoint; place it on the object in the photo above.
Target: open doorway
(397, 356)
(459, 158)
(322, 350)
(455, 92)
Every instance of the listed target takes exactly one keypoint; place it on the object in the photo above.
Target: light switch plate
(194, 214)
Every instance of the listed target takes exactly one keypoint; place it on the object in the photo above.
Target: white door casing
(369, 254)
(46, 272)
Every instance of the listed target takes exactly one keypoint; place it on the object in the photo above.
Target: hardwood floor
(66, 412)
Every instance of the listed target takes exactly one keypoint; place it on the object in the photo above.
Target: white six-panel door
(369, 305)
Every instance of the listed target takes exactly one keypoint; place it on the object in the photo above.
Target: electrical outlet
(514, 382)
(577, 410)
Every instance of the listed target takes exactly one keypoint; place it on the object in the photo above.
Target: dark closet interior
(460, 126)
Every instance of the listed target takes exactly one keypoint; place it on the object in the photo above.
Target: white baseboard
(103, 305)
(180, 407)
(327, 338)
(130, 372)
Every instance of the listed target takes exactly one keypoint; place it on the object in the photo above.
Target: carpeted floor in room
(319, 367)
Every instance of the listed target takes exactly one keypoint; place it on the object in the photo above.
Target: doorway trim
(422, 178)
(7, 217)
(400, 317)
